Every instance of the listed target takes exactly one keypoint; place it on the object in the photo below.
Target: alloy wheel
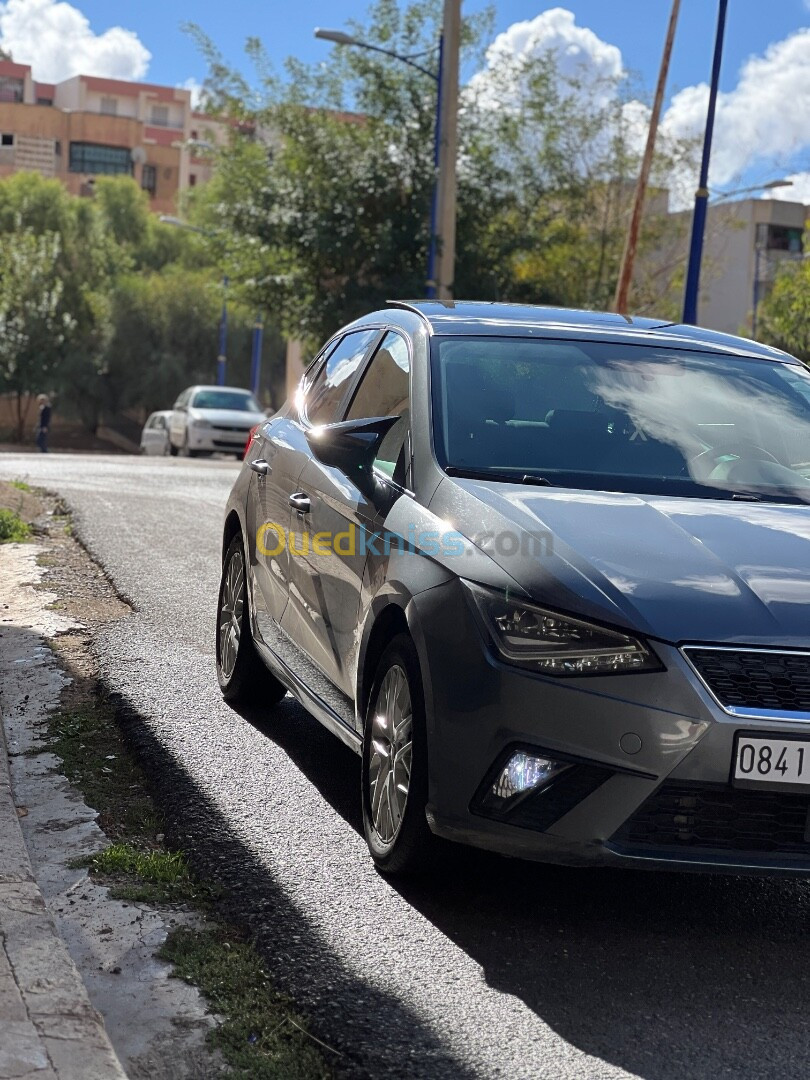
(230, 614)
(389, 769)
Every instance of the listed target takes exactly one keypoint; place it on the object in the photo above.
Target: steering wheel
(743, 449)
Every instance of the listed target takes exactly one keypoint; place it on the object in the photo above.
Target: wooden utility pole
(448, 153)
(631, 243)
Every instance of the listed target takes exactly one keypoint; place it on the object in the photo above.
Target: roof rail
(407, 305)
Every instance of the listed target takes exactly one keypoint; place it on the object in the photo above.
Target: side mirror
(351, 446)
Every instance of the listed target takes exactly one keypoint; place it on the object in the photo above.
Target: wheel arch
(231, 528)
(391, 613)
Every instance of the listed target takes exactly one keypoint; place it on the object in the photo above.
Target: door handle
(300, 502)
(261, 467)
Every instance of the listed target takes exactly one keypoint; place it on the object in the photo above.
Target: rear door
(328, 532)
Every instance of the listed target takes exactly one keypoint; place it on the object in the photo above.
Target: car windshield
(616, 417)
(236, 400)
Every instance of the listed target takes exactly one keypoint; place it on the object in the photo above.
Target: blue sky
(763, 123)
(636, 26)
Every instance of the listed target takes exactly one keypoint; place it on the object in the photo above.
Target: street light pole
(222, 359)
(692, 292)
(631, 244)
(434, 199)
(755, 312)
(445, 262)
(442, 244)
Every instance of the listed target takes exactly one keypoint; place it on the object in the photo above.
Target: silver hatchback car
(548, 572)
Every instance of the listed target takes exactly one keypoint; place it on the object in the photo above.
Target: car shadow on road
(665, 975)
(336, 1001)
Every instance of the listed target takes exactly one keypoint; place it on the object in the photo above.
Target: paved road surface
(495, 969)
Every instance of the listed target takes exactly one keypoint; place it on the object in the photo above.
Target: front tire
(243, 677)
(395, 765)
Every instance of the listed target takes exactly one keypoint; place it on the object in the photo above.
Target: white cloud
(196, 89)
(57, 40)
(578, 52)
(763, 119)
(761, 123)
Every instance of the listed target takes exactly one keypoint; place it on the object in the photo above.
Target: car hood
(230, 417)
(673, 568)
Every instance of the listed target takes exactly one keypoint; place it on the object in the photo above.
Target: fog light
(525, 772)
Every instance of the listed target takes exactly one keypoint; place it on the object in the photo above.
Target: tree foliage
(103, 304)
(784, 315)
(33, 323)
(325, 212)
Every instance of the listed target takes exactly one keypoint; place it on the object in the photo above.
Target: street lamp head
(777, 183)
(338, 37)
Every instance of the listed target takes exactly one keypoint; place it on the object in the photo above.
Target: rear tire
(172, 450)
(243, 677)
(395, 765)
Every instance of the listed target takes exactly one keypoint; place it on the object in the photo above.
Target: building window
(94, 158)
(149, 179)
(6, 140)
(11, 89)
(57, 147)
(194, 135)
(192, 179)
(160, 115)
(783, 238)
(44, 101)
(109, 106)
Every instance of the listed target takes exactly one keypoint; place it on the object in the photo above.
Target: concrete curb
(48, 1028)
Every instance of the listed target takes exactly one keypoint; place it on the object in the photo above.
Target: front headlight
(198, 422)
(544, 641)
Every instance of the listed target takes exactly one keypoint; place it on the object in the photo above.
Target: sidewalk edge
(70, 1033)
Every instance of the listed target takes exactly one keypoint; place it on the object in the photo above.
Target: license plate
(771, 761)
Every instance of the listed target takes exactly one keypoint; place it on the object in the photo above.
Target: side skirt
(300, 684)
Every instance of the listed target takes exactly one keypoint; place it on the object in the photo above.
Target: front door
(332, 521)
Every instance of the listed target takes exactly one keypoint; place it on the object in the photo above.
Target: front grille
(751, 679)
(240, 429)
(695, 817)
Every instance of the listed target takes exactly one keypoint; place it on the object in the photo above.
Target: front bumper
(215, 440)
(666, 801)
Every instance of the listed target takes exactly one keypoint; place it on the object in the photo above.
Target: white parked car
(155, 434)
(211, 419)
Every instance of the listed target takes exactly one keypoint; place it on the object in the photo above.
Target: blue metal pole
(434, 203)
(256, 355)
(690, 302)
(223, 335)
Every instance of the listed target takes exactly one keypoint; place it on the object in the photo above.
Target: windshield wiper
(501, 477)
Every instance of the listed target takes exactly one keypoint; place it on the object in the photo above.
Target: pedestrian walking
(44, 403)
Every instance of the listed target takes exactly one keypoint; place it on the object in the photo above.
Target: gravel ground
(492, 969)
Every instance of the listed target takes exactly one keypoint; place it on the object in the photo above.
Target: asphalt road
(494, 968)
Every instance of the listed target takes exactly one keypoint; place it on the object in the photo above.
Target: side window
(326, 391)
(384, 391)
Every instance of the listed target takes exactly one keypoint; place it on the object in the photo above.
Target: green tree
(33, 326)
(784, 314)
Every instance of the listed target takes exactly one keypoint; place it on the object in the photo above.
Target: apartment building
(747, 242)
(88, 126)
